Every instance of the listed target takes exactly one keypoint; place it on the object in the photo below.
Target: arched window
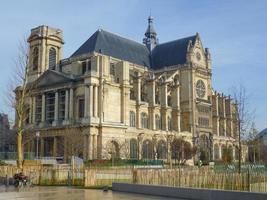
(133, 149)
(144, 120)
(158, 122)
(35, 58)
(162, 150)
(169, 123)
(147, 150)
(216, 152)
(132, 119)
(52, 58)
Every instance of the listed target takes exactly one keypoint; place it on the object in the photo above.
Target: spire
(150, 39)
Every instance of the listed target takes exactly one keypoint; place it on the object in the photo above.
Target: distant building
(7, 137)
(262, 138)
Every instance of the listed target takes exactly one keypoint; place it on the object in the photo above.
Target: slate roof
(163, 55)
(171, 53)
(116, 46)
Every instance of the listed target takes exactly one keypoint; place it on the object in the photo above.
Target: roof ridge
(178, 39)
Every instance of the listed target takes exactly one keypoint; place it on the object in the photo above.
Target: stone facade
(104, 103)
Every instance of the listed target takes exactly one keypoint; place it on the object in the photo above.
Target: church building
(117, 97)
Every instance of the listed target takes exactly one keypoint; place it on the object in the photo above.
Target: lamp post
(112, 151)
(146, 152)
(37, 142)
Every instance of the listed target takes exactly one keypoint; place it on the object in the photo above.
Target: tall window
(35, 58)
(61, 105)
(133, 149)
(38, 108)
(52, 58)
(50, 107)
(169, 123)
(132, 119)
(89, 65)
(112, 69)
(84, 67)
(81, 107)
(158, 122)
(144, 120)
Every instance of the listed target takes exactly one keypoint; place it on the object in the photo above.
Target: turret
(150, 39)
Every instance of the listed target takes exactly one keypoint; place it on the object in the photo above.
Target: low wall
(187, 193)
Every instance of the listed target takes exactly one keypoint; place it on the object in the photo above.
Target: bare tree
(244, 117)
(17, 96)
(182, 150)
(253, 143)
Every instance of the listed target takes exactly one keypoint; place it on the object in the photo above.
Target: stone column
(163, 95)
(138, 117)
(224, 116)
(176, 108)
(151, 92)
(96, 101)
(43, 108)
(91, 100)
(152, 124)
(95, 147)
(86, 101)
(42, 147)
(164, 119)
(30, 111)
(140, 145)
(217, 115)
(71, 105)
(55, 147)
(65, 149)
(85, 145)
(90, 147)
(33, 109)
(55, 122)
(66, 105)
(138, 97)
(220, 151)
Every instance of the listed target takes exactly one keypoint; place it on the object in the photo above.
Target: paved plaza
(64, 193)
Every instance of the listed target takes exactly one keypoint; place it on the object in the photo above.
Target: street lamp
(112, 151)
(146, 152)
(37, 142)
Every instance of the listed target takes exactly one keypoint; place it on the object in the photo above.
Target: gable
(51, 77)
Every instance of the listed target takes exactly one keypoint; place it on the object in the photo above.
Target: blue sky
(235, 31)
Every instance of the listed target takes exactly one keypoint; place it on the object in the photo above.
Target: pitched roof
(163, 55)
(171, 53)
(116, 46)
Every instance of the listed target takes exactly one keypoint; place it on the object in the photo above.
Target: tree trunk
(19, 150)
(240, 148)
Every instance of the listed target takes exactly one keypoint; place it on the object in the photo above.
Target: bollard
(7, 181)
(68, 178)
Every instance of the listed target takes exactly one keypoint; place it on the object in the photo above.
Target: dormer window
(35, 58)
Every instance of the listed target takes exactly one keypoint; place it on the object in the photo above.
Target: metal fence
(13, 155)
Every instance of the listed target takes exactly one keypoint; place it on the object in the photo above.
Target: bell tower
(150, 39)
(45, 50)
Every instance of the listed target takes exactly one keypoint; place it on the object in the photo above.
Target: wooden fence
(246, 181)
(184, 177)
